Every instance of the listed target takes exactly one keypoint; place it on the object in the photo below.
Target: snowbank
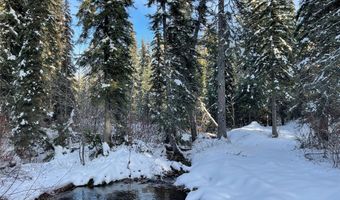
(255, 166)
(121, 163)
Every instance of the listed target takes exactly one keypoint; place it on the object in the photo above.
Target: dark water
(125, 191)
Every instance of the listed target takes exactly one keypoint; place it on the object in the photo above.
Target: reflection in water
(125, 191)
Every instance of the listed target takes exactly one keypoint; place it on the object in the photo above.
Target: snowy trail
(257, 167)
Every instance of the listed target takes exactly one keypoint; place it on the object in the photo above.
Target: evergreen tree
(230, 59)
(182, 63)
(109, 58)
(210, 41)
(252, 96)
(160, 68)
(11, 28)
(159, 23)
(179, 39)
(64, 99)
(31, 83)
(272, 24)
(318, 65)
(135, 66)
(146, 86)
(158, 86)
(143, 82)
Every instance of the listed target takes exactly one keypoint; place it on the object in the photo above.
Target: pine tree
(182, 62)
(252, 96)
(29, 108)
(273, 24)
(318, 65)
(11, 25)
(183, 87)
(146, 85)
(210, 41)
(135, 66)
(143, 76)
(178, 42)
(158, 85)
(64, 99)
(159, 77)
(109, 58)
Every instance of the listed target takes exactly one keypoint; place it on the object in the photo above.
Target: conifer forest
(170, 99)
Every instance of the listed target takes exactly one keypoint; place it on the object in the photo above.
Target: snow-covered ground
(121, 163)
(255, 166)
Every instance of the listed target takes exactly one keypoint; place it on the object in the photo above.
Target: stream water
(125, 191)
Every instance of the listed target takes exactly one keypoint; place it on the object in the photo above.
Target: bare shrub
(146, 132)
(319, 148)
(333, 145)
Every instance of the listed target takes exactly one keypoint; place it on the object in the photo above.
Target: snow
(105, 85)
(50, 114)
(178, 82)
(252, 166)
(256, 166)
(121, 163)
(22, 74)
(186, 137)
(13, 13)
(106, 149)
(12, 57)
(337, 37)
(305, 40)
(23, 122)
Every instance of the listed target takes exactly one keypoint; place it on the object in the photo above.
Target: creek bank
(122, 162)
(162, 186)
(165, 180)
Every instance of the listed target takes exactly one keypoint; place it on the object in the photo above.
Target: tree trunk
(193, 127)
(167, 128)
(177, 154)
(107, 124)
(323, 128)
(274, 120)
(233, 114)
(204, 109)
(199, 21)
(222, 129)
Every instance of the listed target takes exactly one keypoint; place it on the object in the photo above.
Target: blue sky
(138, 16)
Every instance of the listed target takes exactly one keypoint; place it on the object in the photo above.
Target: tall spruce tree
(252, 95)
(273, 24)
(160, 68)
(11, 29)
(29, 108)
(210, 42)
(63, 93)
(184, 72)
(318, 65)
(183, 66)
(230, 57)
(109, 58)
(135, 66)
(176, 34)
(158, 86)
(143, 83)
(146, 85)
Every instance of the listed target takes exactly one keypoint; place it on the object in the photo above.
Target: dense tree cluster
(36, 53)
(211, 65)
